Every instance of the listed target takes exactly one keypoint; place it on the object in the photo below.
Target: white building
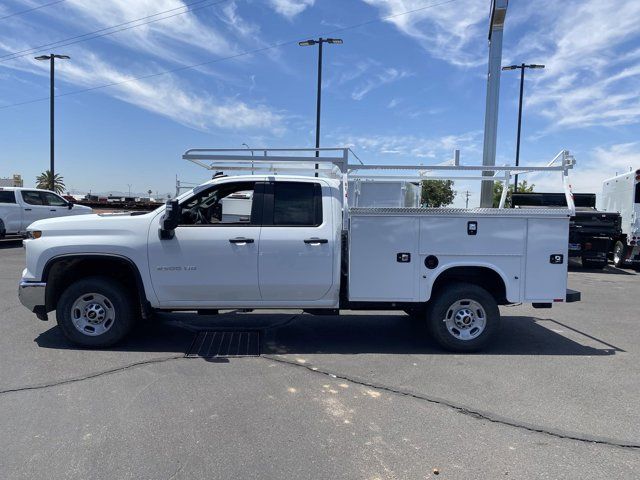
(14, 181)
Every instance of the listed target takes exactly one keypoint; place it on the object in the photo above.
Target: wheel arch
(485, 276)
(62, 270)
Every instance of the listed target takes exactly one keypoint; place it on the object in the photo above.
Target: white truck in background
(20, 207)
(299, 247)
(622, 194)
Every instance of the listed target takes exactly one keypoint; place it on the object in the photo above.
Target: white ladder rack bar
(304, 160)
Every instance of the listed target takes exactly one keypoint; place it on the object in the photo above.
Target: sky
(403, 87)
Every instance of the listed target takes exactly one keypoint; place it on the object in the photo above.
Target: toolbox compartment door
(376, 271)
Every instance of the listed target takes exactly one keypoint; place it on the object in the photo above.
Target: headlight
(33, 234)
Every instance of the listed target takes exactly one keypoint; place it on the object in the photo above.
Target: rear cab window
(7, 196)
(297, 204)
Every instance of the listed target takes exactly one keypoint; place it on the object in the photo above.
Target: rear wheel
(95, 312)
(619, 254)
(463, 317)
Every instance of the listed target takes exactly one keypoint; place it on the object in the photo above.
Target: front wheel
(95, 312)
(463, 317)
(619, 254)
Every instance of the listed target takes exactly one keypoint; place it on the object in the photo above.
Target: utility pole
(51, 59)
(319, 42)
(467, 195)
(522, 68)
(496, 28)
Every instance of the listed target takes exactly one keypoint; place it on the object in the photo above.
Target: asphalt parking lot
(357, 396)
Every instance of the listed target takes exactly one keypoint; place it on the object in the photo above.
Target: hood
(92, 223)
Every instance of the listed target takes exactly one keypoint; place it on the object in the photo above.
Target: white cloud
(412, 147)
(167, 96)
(589, 172)
(591, 75)
(291, 8)
(158, 38)
(388, 75)
(453, 32)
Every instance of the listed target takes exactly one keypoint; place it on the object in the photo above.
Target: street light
(51, 59)
(249, 148)
(522, 68)
(319, 42)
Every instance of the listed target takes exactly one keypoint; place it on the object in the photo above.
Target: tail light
(588, 246)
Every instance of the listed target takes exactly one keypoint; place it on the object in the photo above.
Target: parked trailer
(622, 194)
(301, 247)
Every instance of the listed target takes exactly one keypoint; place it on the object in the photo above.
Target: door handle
(27, 209)
(240, 240)
(315, 241)
(52, 209)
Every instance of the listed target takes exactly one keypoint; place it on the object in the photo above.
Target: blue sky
(408, 88)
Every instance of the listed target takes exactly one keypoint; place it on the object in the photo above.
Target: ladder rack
(334, 163)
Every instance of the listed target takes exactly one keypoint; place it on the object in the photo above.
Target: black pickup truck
(591, 232)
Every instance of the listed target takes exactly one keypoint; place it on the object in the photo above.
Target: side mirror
(70, 205)
(170, 220)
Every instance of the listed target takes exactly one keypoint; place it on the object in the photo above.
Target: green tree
(523, 187)
(45, 181)
(437, 193)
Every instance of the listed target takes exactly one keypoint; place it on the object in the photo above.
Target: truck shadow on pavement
(349, 334)
(10, 243)
(608, 270)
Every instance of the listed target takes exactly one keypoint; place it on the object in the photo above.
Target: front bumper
(32, 296)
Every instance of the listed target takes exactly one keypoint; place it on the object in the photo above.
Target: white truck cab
(269, 240)
(622, 194)
(20, 207)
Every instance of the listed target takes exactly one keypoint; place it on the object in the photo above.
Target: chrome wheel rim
(92, 314)
(465, 319)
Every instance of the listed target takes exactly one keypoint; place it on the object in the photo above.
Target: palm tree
(46, 182)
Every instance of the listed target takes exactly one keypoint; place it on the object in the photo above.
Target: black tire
(441, 305)
(120, 306)
(619, 254)
(3, 230)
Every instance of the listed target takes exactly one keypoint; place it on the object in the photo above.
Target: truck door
(297, 242)
(34, 207)
(11, 214)
(58, 206)
(212, 260)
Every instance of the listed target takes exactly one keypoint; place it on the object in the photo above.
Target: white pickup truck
(20, 207)
(297, 247)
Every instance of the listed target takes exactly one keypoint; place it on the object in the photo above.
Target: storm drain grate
(216, 343)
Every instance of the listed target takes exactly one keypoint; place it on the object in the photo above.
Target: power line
(230, 57)
(116, 28)
(31, 9)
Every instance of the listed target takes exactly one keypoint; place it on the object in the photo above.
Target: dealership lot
(355, 396)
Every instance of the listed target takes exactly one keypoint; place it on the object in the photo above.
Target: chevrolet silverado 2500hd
(297, 245)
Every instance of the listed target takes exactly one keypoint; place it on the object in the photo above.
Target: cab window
(224, 204)
(53, 200)
(32, 198)
(7, 196)
(297, 204)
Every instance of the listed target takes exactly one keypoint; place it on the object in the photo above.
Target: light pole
(319, 42)
(51, 59)
(249, 148)
(522, 68)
